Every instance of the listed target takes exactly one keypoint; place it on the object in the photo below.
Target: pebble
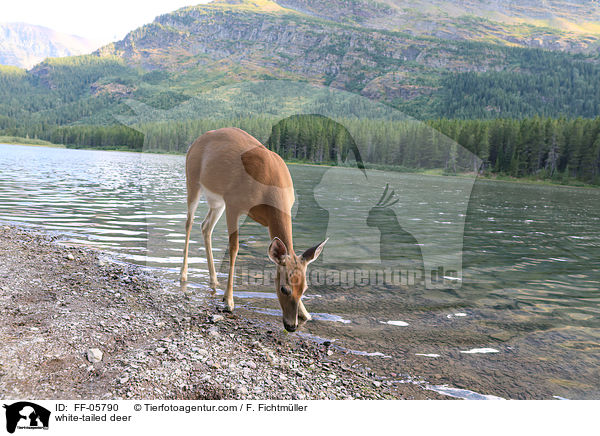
(94, 355)
(376, 383)
(217, 318)
(70, 256)
(214, 332)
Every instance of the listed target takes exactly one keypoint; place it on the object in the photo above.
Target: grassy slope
(27, 141)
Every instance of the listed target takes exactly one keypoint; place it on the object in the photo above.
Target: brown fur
(240, 176)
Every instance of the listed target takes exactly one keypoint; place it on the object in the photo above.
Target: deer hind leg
(232, 227)
(192, 205)
(208, 226)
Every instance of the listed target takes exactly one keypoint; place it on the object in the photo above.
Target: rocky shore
(76, 325)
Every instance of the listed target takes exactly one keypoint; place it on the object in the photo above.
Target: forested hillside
(545, 148)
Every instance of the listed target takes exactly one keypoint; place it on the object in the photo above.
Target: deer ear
(312, 253)
(277, 251)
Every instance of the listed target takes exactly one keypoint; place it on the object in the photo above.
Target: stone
(94, 355)
(217, 318)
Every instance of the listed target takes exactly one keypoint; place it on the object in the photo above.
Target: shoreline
(425, 172)
(61, 301)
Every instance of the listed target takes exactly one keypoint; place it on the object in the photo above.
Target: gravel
(106, 330)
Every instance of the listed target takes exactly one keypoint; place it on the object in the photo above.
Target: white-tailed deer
(238, 175)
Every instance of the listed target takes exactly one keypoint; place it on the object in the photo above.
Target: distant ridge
(24, 45)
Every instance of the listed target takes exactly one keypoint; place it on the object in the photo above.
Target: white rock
(396, 323)
(94, 355)
(480, 351)
(217, 318)
(70, 256)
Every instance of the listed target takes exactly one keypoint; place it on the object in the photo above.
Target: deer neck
(280, 226)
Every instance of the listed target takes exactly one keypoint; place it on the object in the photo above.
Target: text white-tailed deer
(238, 175)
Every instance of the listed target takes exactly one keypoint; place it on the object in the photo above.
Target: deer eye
(285, 290)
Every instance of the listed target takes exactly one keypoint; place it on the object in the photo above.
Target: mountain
(234, 40)
(569, 25)
(203, 50)
(24, 45)
(251, 63)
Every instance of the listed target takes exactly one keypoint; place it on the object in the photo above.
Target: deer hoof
(305, 317)
(228, 306)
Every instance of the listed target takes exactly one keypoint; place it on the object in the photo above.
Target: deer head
(381, 213)
(290, 283)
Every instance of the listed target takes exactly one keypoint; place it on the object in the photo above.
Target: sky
(101, 21)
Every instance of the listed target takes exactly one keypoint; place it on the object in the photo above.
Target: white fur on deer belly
(213, 200)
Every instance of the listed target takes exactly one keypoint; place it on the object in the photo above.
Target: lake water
(516, 314)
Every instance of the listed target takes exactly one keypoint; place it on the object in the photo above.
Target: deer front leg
(302, 312)
(232, 226)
